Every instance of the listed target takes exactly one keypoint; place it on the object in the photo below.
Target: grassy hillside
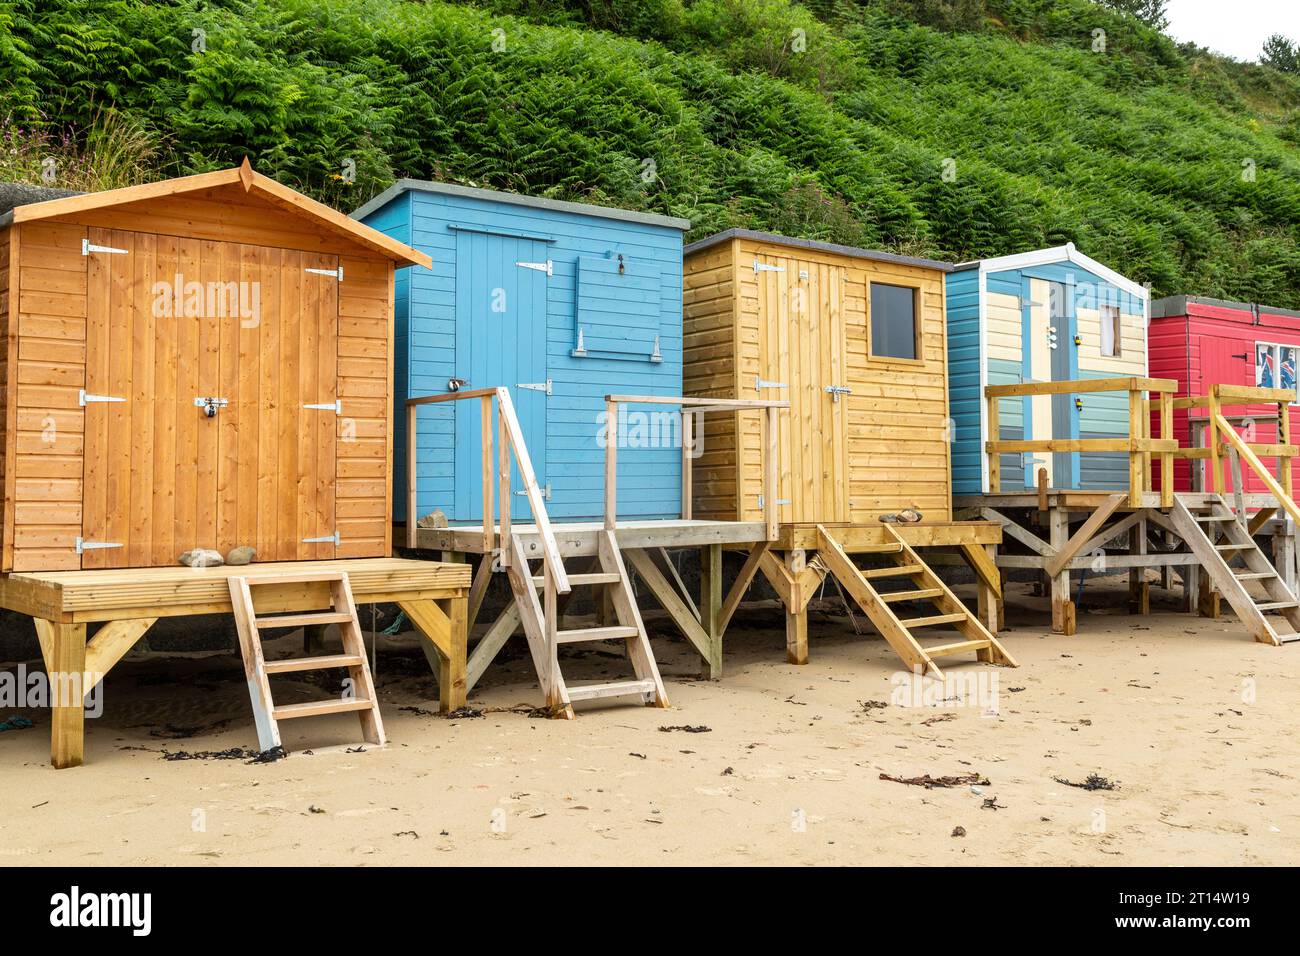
(954, 128)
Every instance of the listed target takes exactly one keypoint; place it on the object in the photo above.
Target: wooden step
(303, 620)
(623, 688)
(1254, 575)
(294, 577)
(294, 664)
(891, 572)
(314, 708)
(1278, 605)
(912, 622)
(1235, 547)
(1215, 517)
(1289, 638)
(957, 648)
(613, 633)
(601, 577)
(920, 595)
(892, 548)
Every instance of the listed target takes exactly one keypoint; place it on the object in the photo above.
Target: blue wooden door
(500, 341)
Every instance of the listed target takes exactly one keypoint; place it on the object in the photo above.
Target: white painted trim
(983, 286)
(1065, 253)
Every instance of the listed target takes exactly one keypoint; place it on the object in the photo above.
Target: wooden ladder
(1219, 539)
(267, 714)
(926, 587)
(541, 621)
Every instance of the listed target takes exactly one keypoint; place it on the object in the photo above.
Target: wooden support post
(1139, 589)
(711, 605)
(988, 583)
(1216, 445)
(442, 624)
(771, 485)
(67, 666)
(1284, 438)
(1136, 477)
(412, 505)
(1284, 551)
(796, 613)
(1191, 588)
(1042, 493)
(1063, 611)
(993, 458)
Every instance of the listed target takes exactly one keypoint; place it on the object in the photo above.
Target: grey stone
(241, 555)
(202, 558)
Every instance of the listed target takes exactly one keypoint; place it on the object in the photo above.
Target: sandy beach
(1188, 719)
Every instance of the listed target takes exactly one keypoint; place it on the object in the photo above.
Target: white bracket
(335, 273)
(762, 383)
(581, 350)
(335, 406)
(327, 539)
(548, 266)
(84, 398)
(536, 386)
(835, 391)
(83, 545)
(545, 489)
(87, 247)
(779, 501)
(764, 267)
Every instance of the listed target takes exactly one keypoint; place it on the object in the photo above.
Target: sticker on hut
(1264, 372)
(1286, 367)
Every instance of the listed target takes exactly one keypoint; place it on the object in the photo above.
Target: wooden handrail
(510, 439)
(1022, 389)
(697, 407)
(1244, 452)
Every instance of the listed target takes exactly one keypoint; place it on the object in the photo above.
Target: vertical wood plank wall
(897, 414)
(269, 472)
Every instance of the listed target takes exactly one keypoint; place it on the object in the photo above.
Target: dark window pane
(893, 321)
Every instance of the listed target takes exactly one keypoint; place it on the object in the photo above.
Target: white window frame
(1275, 348)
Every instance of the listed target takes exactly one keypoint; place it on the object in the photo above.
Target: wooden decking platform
(924, 534)
(125, 604)
(579, 538)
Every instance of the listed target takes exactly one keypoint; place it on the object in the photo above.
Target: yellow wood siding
(894, 450)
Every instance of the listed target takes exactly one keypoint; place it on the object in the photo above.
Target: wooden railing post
(994, 458)
(503, 486)
(485, 428)
(611, 464)
(1166, 458)
(411, 499)
(1216, 448)
(1135, 477)
(771, 489)
(1284, 438)
(687, 427)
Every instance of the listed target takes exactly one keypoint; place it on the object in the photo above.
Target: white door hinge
(85, 398)
(83, 545)
(548, 266)
(764, 267)
(545, 489)
(536, 386)
(325, 539)
(762, 383)
(779, 501)
(336, 273)
(87, 247)
(581, 349)
(656, 355)
(335, 406)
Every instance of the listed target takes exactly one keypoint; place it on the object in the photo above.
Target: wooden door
(802, 347)
(202, 359)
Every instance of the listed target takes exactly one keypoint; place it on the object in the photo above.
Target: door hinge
(335, 406)
(835, 391)
(762, 383)
(656, 355)
(536, 386)
(581, 348)
(779, 501)
(764, 267)
(87, 247)
(546, 492)
(85, 398)
(548, 266)
(83, 545)
(325, 539)
(336, 273)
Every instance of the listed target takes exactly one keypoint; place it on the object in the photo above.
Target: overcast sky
(1235, 27)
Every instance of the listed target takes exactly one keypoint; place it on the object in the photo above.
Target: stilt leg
(1139, 589)
(1191, 588)
(68, 716)
(313, 639)
(796, 612)
(711, 605)
(1062, 606)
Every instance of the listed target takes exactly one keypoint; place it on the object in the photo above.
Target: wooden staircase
(266, 713)
(879, 606)
(541, 621)
(1228, 553)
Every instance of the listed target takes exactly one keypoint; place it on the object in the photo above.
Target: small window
(1275, 366)
(1111, 335)
(893, 321)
